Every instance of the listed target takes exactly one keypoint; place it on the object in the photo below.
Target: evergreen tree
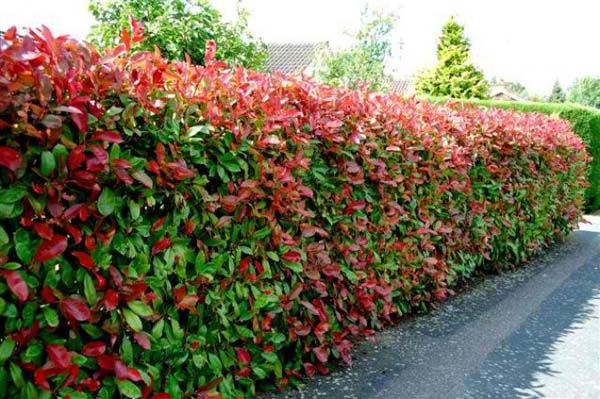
(557, 95)
(455, 75)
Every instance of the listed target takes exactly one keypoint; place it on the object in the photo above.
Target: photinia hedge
(170, 230)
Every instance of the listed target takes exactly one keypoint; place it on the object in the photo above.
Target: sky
(534, 42)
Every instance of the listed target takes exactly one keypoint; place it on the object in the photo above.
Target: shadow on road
(529, 354)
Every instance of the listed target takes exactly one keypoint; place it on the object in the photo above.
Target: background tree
(178, 27)
(364, 61)
(586, 91)
(557, 95)
(455, 75)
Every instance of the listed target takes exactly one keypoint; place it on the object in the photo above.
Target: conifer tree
(455, 75)
(557, 95)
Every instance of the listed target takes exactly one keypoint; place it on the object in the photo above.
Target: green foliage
(586, 91)
(455, 75)
(364, 62)
(585, 122)
(177, 28)
(558, 94)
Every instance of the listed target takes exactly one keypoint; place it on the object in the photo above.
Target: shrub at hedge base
(169, 230)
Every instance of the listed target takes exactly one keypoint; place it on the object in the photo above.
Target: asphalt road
(531, 333)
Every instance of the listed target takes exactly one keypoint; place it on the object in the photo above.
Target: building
(294, 58)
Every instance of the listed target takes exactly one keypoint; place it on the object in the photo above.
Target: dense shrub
(169, 230)
(585, 122)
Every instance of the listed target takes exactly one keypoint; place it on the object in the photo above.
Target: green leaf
(48, 163)
(11, 266)
(89, 290)
(129, 389)
(6, 348)
(16, 374)
(23, 246)
(112, 111)
(33, 352)
(4, 239)
(3, 382)
(134, 210)
(107, 202)
(140, 308)
(230, 162)
(215, 363)
(177, 330)
(12, 195)
(133, 320)
(198, 129)
(50, 316)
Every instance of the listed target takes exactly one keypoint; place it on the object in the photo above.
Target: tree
(557, 95)
(177, 28)
(586, 91)
(363, 63)
(454, 75)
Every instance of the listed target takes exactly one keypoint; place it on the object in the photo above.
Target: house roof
(401, 86)
(503, 92)
(292, 58)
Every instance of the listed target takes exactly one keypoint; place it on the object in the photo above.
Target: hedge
(170, 230)
(585, 122)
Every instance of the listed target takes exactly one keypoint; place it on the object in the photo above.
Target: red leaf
(84, 259)
(76, 158)
(75, 308)
(126, 373)
(90, 384)
(322, 353)
(49, 249)
(178, 171)
(16, 284)
(162, 395)
(292, 256)
(59, 355)
(157, 225)
(10, 158)
(94, 349)
(72, 376)
(244, 265)
(108, 136)
(142, 340)
(43, 230)
(48, 294)
(161, 245)
(81, 121)
(40, 379)
(243, 355)
(111, 300)
(107, 362)
(209, 53)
